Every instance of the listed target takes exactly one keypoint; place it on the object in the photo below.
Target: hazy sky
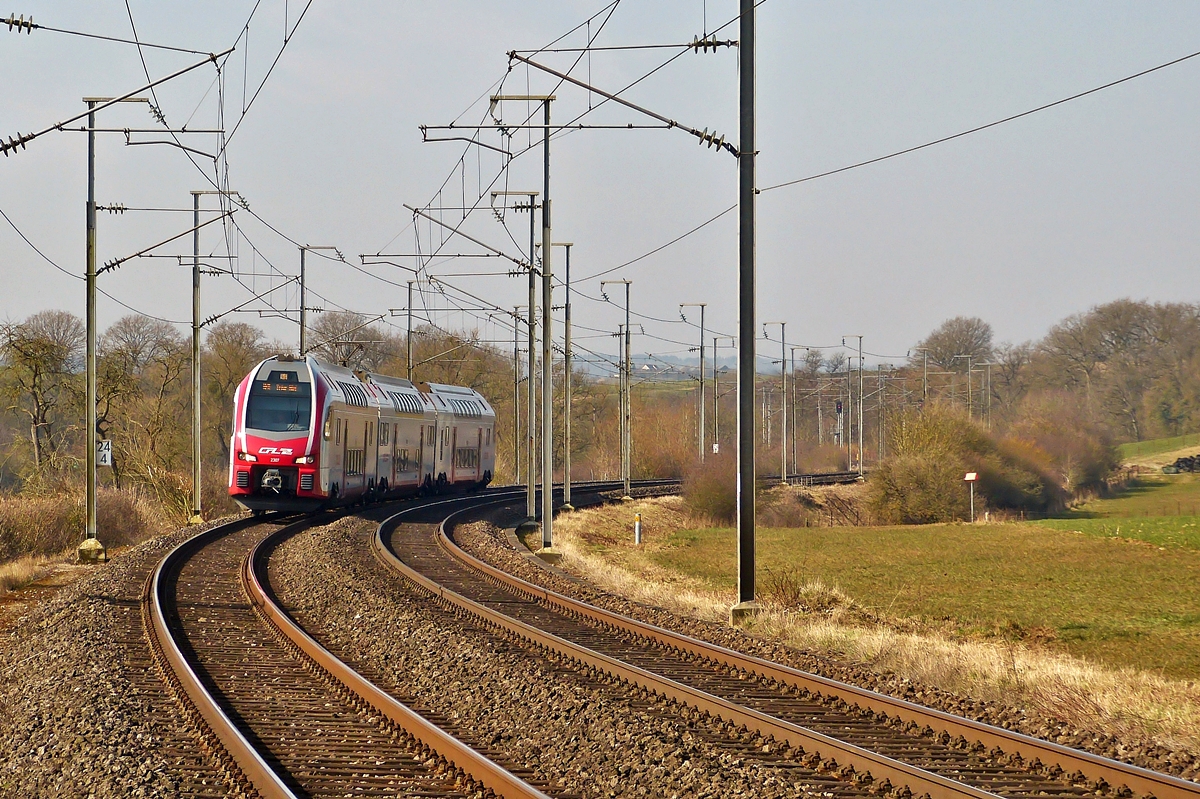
(1021, 224)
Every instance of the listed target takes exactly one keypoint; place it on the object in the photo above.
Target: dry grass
(806, 614)
(47, 524)
(27, 569)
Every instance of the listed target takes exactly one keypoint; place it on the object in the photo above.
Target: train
(309, 435)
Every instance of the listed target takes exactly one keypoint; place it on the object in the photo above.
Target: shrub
(923, 480)
(918, 489)
(710, 489)
(46, 524)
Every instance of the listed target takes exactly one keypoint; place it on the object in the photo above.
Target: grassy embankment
(1063, 614)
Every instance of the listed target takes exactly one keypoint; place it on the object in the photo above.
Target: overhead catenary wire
(30, 25)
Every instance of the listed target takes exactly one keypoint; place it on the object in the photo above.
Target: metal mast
(567, 381)
(700, 418)
(408, 339)
(91, 548)
(746, 319)
(547, 359)
(90, 533)
(783, 397)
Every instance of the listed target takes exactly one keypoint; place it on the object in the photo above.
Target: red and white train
(308, 434)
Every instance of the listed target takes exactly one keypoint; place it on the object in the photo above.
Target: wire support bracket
(705, 136)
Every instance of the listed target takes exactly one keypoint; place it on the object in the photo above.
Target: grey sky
(1021, 225)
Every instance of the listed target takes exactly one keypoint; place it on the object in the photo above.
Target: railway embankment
(1008, 675)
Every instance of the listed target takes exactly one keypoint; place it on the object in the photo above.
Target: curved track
(284, 717)
(900, 744)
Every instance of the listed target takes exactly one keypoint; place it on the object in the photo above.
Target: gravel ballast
(491, 544)
(574, 735)
(84, 712)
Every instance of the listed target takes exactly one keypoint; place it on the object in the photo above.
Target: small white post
(637, 529)
(970, 478)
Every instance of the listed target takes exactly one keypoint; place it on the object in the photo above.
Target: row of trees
(1122, 371)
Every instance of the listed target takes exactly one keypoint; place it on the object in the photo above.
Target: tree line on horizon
(1123, 371)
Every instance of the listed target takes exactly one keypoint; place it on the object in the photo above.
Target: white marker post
(637, 529)
(971, 478)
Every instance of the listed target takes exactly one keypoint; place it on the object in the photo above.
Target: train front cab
(273, 453)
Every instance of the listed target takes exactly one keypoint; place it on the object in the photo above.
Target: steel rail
(228, 739)
(879, 766)
(1095, 767)
(475, 765)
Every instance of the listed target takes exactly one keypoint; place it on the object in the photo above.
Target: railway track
(283, 716)
(853, 731)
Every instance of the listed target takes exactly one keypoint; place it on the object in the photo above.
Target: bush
(47, 524)
(922, 482)
(918, 489)
(710, 489)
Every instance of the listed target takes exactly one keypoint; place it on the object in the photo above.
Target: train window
(338, 426)
(279, 407)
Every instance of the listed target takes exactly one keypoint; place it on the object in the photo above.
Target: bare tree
(353, 340)
(230, 351)
(961, 336)
(43, 355)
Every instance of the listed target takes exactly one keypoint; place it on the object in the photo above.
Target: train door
(479, 454)
(395, 474)
(370, 465)
(421, 471)
(453, 454)
(343, 435)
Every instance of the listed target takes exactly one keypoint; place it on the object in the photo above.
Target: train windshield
(279, 404)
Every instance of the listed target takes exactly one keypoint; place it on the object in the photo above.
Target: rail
(1094, 767)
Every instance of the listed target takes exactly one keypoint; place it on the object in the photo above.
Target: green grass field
(1116, 580)
(1140, 449)
(1120, 602)
(1158, 509)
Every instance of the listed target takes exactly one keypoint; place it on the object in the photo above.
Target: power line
(71, 274)
(898, 153)
(30, 25)
(968, 132)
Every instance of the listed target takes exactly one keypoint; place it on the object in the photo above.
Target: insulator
(21, 24)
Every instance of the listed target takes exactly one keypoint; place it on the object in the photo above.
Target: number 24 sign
(104, 453)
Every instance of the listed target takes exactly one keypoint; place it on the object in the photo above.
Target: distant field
(1160, 509)
(1120, 602)
(1140, 449)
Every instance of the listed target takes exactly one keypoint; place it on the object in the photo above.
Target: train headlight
(306, 459)
(246, 456)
